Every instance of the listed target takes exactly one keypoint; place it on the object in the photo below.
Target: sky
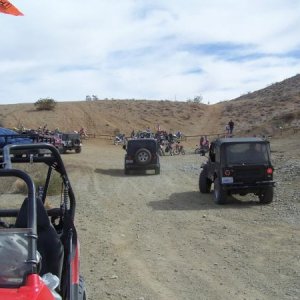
(146, 49)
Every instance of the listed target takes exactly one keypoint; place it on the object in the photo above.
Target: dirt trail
(211, 119)
(156, 237)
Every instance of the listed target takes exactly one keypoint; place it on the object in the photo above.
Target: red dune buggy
(39, 249)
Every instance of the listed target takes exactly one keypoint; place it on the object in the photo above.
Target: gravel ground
(156, 237)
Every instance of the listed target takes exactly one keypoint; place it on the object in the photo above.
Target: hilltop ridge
(259, 112)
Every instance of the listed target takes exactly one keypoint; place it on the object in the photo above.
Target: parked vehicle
(238, 166)
(8, 137)
(39, 254)
(70, 141)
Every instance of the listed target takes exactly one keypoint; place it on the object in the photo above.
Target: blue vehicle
(8, 136)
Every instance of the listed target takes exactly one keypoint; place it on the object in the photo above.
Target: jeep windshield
(247, 153)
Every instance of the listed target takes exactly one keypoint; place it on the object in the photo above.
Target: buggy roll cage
(32, 216)
(52, 159)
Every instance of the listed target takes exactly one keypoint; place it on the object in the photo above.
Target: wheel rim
(143, 157)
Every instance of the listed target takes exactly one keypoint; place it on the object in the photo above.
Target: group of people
(204, 142)
(167, 140)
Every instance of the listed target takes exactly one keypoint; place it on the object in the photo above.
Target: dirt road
(156, 237)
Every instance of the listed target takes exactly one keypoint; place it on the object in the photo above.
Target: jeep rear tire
(219, 193)
(266, 196)
(143, 156)
(204, 183)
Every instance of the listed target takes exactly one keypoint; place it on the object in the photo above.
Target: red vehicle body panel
(34, 289)
(75, 266)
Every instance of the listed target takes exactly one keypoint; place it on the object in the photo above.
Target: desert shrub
(19, 186)
(186, 117)
(228, 108)
(45, 104)
(286, 117)
(38, 173)
(198, 99)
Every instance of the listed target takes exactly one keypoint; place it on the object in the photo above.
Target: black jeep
(142, 154)
(238, 166)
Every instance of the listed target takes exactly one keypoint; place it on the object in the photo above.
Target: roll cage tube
(31, 215)
(55, 162)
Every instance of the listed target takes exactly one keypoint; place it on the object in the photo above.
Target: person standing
(231, 126)
(132, 135)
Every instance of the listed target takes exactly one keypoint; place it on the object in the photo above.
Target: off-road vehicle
(9, 137)
(70, 141)
(141, 154)
(238, 166)
(39, 248)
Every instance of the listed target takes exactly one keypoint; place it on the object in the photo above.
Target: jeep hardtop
(238, 166)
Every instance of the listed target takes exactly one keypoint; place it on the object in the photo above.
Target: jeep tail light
(269, 171)
(227, 172)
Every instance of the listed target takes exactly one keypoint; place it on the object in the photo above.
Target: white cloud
(147, 49)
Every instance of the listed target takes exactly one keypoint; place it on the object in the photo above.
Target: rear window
(134, 145)
(70, 136)
(249, 153)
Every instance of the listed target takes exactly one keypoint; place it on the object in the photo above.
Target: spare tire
(143, 156)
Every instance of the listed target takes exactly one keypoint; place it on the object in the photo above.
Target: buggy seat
(49, 244)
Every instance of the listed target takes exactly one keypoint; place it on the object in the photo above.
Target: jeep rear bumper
(141, 167)
(248, 188)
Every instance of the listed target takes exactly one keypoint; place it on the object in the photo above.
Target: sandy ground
(156, 237)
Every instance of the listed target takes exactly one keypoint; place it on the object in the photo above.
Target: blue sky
(147, 49)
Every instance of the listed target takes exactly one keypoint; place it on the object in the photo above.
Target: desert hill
(260, 112)
(277, 105)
